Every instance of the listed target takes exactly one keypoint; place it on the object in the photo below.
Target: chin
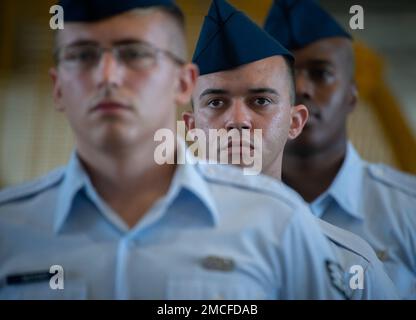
(303, 145)
(114, 139)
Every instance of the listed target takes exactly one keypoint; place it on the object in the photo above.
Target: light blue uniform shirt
(377, 203)
(215, 234)
(364, 275)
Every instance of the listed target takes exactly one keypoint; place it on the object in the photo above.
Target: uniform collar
(186, 177)
(74, 180)
(347, 185)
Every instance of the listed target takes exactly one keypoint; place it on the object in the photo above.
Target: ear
(187, 80)
(298, 116)
(352, 96)
(189, 118)
(57, 93)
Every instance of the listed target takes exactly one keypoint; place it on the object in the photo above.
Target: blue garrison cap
(229, 39)
(93, 10)
(297, 23)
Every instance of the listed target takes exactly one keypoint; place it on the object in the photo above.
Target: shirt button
(382, 255)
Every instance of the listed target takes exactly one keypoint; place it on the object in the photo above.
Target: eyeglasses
(134, 55)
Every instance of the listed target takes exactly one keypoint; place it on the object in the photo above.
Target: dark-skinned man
(372, 200)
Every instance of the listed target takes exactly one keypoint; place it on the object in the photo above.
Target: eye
(215, 103)
(83, 55)
(131, 53)
(262, 101)
(320, 75)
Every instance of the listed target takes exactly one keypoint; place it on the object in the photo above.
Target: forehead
(269, 72)
(140, 25)
(332, 50)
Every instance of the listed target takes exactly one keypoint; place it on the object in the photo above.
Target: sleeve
(308, 265)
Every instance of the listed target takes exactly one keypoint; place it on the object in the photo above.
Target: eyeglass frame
(113, 49)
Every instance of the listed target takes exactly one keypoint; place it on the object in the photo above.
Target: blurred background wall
(34, 138)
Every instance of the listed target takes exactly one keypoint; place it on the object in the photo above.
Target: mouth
(315, 114)
(314, 117)
(110, 107)
(240, 146)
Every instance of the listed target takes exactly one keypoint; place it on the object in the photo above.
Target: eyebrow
(263, 90)
(320, 62)
(212, 91)
(81, 42)
(129, 41)
(251, 91)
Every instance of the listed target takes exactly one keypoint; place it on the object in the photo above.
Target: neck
(274, 169)
(311, 175)
(128, 181)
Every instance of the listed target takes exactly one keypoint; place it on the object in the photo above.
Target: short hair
(173, 12)
(176, 14)
(290, 66)
(178, 17)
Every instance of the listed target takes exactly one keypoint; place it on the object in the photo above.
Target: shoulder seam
(269, 192)
(29, 188)
(354, 243)
(371, 169)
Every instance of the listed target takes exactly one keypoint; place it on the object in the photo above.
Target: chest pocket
(42, 291)
(214, 287)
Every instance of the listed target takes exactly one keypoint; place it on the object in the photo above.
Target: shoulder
(31, 188)
(391, 178)
(234, 178)
(348, 241)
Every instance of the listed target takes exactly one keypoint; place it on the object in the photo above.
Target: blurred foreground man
(248, 84)
(374, 201)
(115, 223)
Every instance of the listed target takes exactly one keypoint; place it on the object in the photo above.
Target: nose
(239, 117)
(109, 71)
(304, 87)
